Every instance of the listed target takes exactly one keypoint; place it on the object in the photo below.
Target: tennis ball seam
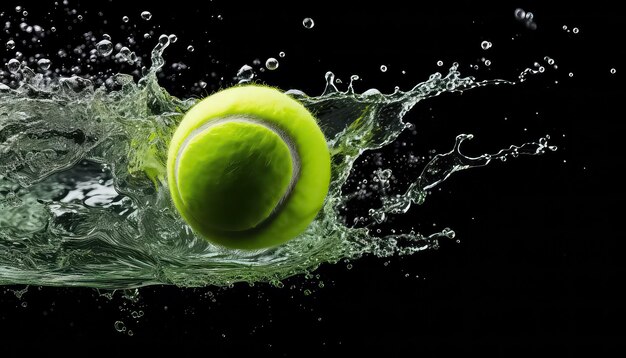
(295, 157)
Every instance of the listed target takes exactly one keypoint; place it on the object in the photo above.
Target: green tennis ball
(248, 167)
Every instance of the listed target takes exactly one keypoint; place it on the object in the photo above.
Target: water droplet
(164, 40)
(281, 54)
(44, 64)
(245, 74)
(575, 30)
(571, 74)
(13, 65)
(308, 23)
(487, 63)
(439, 63)
(104, 47)
(146, 15)
(125, 19)
(173, 38)
(10, 45)
(25, 13)
(383, 68)
(190, 48)
(520, 14)
(119, 326)
(271, 63)
(485, 45)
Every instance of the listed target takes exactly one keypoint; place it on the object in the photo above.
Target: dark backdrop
(539, 266)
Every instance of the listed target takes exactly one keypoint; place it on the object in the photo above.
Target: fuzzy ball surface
(248, 167)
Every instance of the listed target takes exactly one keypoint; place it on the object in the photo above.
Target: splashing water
(84, 201)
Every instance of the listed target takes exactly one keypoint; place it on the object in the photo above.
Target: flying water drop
(271, 63)
(308, 23)
(104, 47)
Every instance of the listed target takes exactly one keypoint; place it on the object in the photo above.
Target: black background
(539, 266)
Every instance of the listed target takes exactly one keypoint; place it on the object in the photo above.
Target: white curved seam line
(295, 158)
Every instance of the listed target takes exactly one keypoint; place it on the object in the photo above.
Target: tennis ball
(248, 167)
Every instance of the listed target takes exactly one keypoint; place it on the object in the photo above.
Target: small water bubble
(25, 13)
(613, 70)
(564, 27)
(10, 45)
(383, 68)
(18, 8)
(220, 17)
(529, 16)
(146, 15)
(164, 40)
(281, 54)
(439, 63)
(271, 63)
(104, 47)
(13, 65)
(245, 74)
(520, 14)
(80, 17)
(119, 326)
(571, 74)
(575, 30)
(106, 37)
(308, 23)
(542, 69)
(487, 63)
(146, 36)
(190, 48)
(53, 29)
(43, 64)
(485, 45)
(125, 19)
(173, 38)
(550, 61)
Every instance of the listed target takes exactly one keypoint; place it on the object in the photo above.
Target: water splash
(84, 201)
